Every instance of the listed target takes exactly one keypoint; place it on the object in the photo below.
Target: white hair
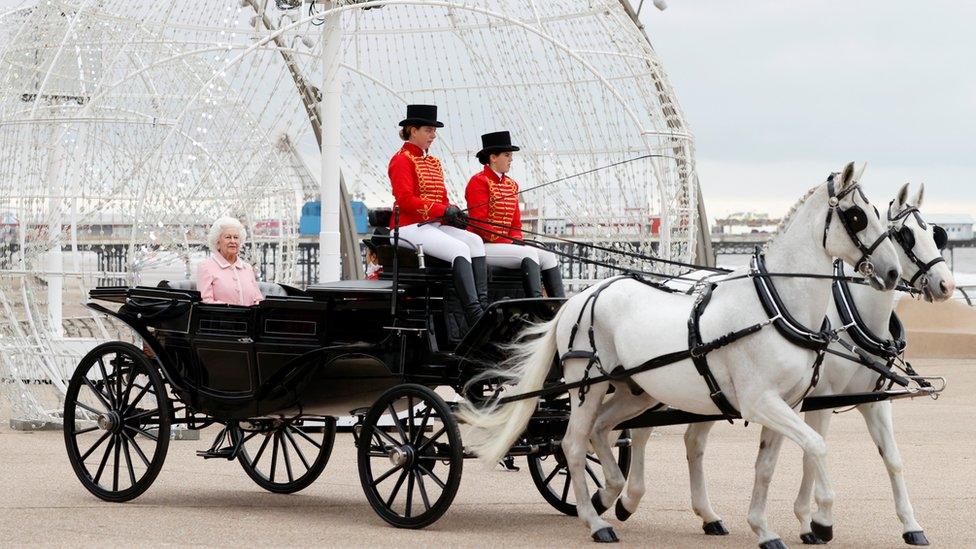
(220, 226)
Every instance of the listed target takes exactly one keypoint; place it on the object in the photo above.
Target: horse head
(920, 246)
(855, 233)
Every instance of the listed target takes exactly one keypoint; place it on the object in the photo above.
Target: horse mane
(788, 218)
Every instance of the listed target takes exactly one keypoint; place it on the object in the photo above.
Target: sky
(780, 93)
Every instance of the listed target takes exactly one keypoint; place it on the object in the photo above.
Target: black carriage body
(323, 351)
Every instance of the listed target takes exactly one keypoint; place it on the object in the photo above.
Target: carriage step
(227, 452)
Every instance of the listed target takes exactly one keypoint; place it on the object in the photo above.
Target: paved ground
(214, 504)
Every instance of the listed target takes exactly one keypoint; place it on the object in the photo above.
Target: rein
(483, 224)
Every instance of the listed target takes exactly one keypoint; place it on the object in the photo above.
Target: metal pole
(330, 257)
(55, 259)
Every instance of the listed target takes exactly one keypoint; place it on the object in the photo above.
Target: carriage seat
(435, 269)
(406, 255)
(353, 289)
(268, 289)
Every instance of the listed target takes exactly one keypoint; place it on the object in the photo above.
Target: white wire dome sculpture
(127, 127)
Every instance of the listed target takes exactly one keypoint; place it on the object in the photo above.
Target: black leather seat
(435, 277)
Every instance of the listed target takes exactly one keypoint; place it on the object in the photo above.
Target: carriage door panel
(223, 348)
(286, 330)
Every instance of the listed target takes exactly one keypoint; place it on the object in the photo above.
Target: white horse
(922, 264)
(761, 375)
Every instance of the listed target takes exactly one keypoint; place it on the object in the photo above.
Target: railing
(968, 293)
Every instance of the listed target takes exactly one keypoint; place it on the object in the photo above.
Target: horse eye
(940, 236)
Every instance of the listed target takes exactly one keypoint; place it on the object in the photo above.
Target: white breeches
(510, 256)
(443, 241)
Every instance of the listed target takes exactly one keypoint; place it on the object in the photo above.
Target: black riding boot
(466, 290)
(530, 278)
(553, 281)
(480, 270)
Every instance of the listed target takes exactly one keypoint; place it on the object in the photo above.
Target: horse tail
(491, 430)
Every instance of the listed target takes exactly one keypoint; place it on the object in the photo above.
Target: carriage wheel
(116, 421)
(286, 455)
(410, 471)
(551, 475)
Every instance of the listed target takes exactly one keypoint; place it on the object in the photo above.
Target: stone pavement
(211, 503)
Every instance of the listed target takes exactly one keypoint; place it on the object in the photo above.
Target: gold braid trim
(502, 202)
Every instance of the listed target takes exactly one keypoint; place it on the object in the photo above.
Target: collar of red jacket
(492, 175)
(413, 149)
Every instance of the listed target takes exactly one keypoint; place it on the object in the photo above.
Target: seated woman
(224, 277)
(426, 215)
(493, 211)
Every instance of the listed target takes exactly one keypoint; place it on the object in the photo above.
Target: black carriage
(275, 376)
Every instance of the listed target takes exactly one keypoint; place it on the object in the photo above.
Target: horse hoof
(773, 544)
(825, 533)
(605, 535)
(811, 539)
(915, 538)
(715, 528)
(622, 512)
(598, 504)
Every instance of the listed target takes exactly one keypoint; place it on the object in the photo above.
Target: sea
(962, 261)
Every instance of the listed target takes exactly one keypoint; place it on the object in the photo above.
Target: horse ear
(847, 177)
(919, 196)
(860, 173)
(902, 197)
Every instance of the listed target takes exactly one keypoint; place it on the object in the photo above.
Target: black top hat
(421, 115)
(496, 142)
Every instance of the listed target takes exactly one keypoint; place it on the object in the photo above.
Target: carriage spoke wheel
(410, 456)
(286, 455)
(116, 421)
(551, 475)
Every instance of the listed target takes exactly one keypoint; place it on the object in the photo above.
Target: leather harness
(787, 326)
(889, 350)
(697, 350)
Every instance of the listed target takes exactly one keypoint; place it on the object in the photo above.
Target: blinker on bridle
(906, 239)
(854, 220)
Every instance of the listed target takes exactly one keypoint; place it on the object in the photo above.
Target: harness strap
(863, 357)
(786, 325)
(593, 358)
(652, 364)
(815, 378)
(698, 352)
(861, 335)
(923, 269)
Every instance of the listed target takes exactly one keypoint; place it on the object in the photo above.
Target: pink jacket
(221, 282)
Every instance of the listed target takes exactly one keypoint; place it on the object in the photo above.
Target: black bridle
(854, 220)
(906, 239)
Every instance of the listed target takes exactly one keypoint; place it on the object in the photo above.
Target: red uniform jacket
(418, 185)
(495, 200)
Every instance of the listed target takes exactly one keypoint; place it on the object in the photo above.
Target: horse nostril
(947, 289)
(892, 277)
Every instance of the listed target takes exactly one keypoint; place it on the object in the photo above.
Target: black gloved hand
(454, 217)
(450, 214)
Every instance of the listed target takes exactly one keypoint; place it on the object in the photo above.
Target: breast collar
(862, 336)
(790, 328)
